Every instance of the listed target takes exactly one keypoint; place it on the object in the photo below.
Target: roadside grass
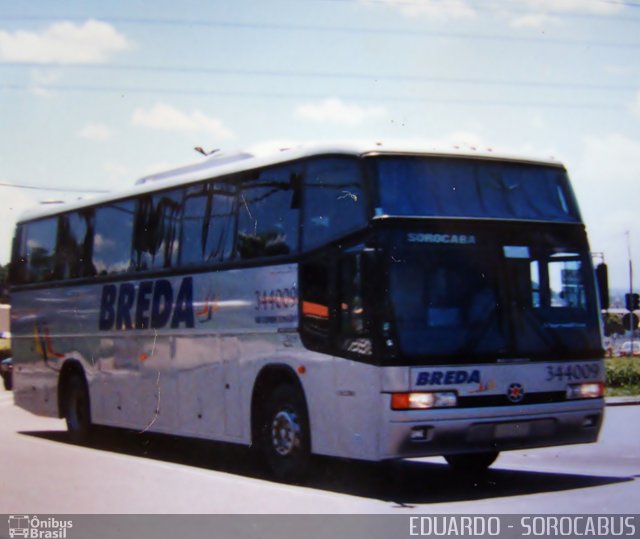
(626, 391)
(623, 376)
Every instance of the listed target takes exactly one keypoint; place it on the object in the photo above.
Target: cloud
(432, 9)
(613, 160)
(12, 203)
(605, 178)
(41, 80)
(536, 12)
(534, 21)
(96, 132)
(63, 43)
(163, 117)
(335, 111)
(544, 13)
(596, 7)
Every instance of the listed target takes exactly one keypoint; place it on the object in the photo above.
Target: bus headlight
(423, 401)
(591, 390)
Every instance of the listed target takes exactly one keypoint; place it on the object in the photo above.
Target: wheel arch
(71, 367)
(270, 377)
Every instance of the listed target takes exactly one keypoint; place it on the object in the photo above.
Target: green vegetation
(623, 376)
(613, 325)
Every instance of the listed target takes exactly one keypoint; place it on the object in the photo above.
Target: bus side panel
(357, 392)
(35, 387)
(253, 314)
(38, 316)
(184, 377)
(316, 374)
(197, 378)
(200, 379)
(342, 396)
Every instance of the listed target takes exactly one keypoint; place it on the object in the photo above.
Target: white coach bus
(352, 302)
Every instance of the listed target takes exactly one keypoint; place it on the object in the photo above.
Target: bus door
(336, 320)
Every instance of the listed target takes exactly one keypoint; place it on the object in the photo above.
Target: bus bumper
(455, 430)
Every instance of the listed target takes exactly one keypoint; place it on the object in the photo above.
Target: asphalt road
(124, 472)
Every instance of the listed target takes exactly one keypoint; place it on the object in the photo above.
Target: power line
(289, 95)
(509, 8)
(488, 7)
(626, 3)
(284, 73)
(54, 189)
(351, 30)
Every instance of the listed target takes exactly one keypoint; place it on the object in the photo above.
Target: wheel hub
(285, 433)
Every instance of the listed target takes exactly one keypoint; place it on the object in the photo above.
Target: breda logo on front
(450, 377)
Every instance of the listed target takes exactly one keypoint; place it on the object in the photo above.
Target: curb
(622, 401)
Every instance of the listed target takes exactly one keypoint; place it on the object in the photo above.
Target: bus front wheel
(472, 462)
(78, 410)
(285, 437)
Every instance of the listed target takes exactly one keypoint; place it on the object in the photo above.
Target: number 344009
(582, 371)
(279, 298)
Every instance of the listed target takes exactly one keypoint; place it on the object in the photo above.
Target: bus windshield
(472, 188)
(487, 295)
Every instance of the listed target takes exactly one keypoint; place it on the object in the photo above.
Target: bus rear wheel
(7, 381)
(472, 462)
(286, 439)
(78, 410)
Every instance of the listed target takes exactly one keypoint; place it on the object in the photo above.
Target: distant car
(6, 370)
(625, 349)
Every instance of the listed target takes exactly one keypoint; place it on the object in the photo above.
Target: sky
(94, 95)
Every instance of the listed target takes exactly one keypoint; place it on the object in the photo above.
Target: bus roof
(222, 164)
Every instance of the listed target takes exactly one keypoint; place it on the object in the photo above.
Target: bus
(369, 303)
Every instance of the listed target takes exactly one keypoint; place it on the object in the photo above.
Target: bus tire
(77, 411)
(286, 440)
(472, 462)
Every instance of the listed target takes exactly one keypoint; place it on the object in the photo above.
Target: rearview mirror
(602, 280)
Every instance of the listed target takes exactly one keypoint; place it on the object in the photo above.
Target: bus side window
(333, 305)
(221, 224)
(194, 229)
(268, 214)
(156, 232)
(208, 221)
(352, 319)
(113, 237)
(18, 267)
(354, 338)
(315, 303)
(333, 201)
(74, 245)
(37, 248)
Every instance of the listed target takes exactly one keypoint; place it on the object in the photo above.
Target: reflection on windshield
(464, 301)
(473, 188)
(446, 301)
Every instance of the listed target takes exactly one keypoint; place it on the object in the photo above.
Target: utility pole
(631, 318)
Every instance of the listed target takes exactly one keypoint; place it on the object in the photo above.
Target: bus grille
(502, 400)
